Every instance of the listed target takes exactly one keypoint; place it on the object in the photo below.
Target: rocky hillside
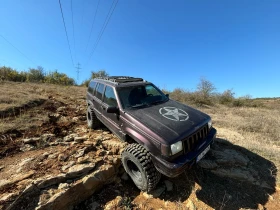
(49, 159)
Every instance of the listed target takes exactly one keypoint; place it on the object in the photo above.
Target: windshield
(140, 96)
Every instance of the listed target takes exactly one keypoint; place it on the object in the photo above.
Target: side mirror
(167, 95)
(112, 109)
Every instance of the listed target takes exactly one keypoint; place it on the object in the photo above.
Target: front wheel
(138, 164)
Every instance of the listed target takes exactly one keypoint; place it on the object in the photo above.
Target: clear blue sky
(234, 44)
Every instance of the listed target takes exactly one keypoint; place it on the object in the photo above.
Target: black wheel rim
(134, 171)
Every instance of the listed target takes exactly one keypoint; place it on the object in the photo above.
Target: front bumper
(173, 169)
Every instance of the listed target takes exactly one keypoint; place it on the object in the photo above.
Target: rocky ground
(58, 163)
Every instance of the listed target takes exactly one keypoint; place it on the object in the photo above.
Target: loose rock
(31, 140)
(80, 139)
(62, 157)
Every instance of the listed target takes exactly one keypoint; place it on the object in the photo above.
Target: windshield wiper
(139, 105)
(159, 101)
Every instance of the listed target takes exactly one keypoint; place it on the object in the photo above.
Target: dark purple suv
(168, 137)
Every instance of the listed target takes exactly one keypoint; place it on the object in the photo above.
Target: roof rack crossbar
(121, 79)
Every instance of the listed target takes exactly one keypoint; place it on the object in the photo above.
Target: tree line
(205, 93)
(35, 75)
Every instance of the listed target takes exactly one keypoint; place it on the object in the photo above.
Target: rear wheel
(138, 164)
(92, 121)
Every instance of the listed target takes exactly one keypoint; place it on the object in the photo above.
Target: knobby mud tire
(92, 121)
(138, 164)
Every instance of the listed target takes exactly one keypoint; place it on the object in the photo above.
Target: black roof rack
(121, 79)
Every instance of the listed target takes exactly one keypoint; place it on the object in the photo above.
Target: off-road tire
(92, 121)
(138, 164)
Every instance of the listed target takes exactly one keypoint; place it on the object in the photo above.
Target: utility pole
(78, 72)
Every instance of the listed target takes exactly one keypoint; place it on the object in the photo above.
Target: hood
(170, 120)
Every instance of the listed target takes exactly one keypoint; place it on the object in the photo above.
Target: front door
(111, 120)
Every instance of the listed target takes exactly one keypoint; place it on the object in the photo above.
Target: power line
(66, 32)
(17, 49)
(107, 19)
(73, 30)
(92, 24)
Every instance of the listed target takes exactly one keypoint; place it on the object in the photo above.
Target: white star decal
(173, 113)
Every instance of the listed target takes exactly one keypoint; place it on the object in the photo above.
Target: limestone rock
(80, 190)
(53, 156)
(146, 195)
(27, 147)
(61, 109)
(79, 170)
(98, 177)
(75, 119)
(70, 137)
(31, 140)
(62, 157)
(71, 163)
(47, 137)
(83, 159)
(190, 205)
(116, 146)
(26, 161)
(80, 153)
(6, 197)
(14, 179)
(114, 203)
(63, 186)
(47, 181)
(80, 139)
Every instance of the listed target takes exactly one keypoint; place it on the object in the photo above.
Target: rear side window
(110, 97)
(91, 87)
(99, 91)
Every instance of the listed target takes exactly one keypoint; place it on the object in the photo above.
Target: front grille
(191, 142)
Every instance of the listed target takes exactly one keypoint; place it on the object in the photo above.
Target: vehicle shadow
(229, 177)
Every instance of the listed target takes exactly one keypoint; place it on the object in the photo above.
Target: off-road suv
(168, 136)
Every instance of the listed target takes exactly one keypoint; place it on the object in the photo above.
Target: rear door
(90, 91)
(111, 120)
(97, 101)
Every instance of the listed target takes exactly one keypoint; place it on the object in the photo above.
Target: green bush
(35, 75)
(227, 97)
(95, 74)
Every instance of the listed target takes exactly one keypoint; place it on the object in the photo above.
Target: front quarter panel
(141, 134)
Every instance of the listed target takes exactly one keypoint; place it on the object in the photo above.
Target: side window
(152, 91)
(99, 91)
(109, 97)
(91, 87)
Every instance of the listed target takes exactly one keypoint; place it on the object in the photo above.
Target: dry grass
(15, 94)
(256, 129)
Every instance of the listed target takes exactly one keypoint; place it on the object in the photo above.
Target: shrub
(227, 97)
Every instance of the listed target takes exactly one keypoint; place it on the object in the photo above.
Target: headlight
(209, 123)
(177, 147)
